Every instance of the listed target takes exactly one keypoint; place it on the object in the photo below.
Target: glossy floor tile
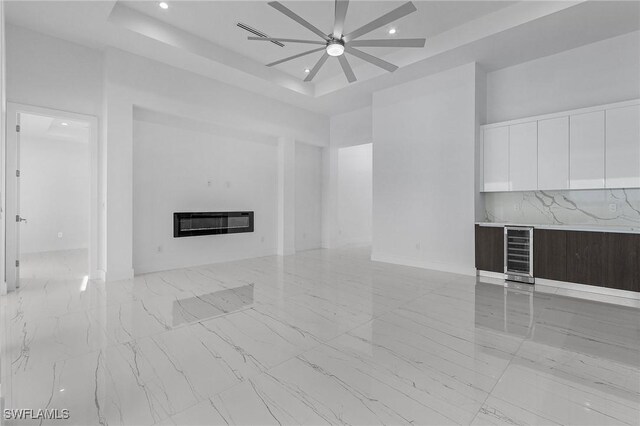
(321, 337)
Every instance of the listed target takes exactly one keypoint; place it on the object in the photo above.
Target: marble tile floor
(320, 337)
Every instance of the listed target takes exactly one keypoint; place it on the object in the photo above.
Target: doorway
(52, 197)
(355, 195)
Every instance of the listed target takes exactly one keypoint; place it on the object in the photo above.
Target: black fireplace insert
(191, 224)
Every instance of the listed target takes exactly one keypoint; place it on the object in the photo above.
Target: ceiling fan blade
(341, 13)
(385, 19)
(283, 9)
(288, 40)
(346, 67)
(317, 67)
(308, 52)
(371, 59)
(398, 42)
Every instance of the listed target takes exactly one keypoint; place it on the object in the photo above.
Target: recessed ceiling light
(64, 123)
(392, 31)
(163, 5)
(307, 70)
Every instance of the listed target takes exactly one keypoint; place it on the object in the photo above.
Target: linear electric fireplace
(207, 223)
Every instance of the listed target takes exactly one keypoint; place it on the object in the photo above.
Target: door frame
(13, 110)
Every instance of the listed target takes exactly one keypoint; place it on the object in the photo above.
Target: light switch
(59, 234)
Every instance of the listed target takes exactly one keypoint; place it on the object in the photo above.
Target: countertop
(568, 227)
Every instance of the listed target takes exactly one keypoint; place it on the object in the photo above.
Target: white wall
(54, 194)
(352, 128)
(355, 194)
(132, 80)
(308, 197)
(347, 129)
(49, 72)
(423, 171)
(175, 170)
(3, 111)
(599, 73)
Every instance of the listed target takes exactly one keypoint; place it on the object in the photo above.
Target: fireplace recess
(191, 224)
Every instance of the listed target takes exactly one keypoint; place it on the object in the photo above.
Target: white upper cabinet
(623, 147)
(553, 153)
(496, 159)
(586, 150)
(523, 157)
(589, 148)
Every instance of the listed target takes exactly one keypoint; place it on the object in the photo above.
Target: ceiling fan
(337, 44)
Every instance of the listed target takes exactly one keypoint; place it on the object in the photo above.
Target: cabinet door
(587, 257)
(490, 248)
(523, 157)
(553, 153)
(586, 150)
(623, 257)
(496, 159)
(623, 147)
(550, 254)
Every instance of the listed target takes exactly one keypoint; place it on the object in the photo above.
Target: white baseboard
(167, 265)
(590, 289)
(118, 276)
(98, 274)
(419, 263)
(489, 274)
(578, 291)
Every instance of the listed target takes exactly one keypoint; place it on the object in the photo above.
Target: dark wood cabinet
(623, 259)
(550, 254)
(490, 248)
(587, 257)
(604, 259)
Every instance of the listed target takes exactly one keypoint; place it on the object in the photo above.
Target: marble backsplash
(615, 207)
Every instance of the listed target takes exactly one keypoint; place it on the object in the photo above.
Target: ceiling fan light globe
(335, 49)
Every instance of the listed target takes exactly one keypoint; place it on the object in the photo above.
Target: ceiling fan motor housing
(335, 47)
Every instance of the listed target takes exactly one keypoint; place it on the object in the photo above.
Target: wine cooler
(518, 254)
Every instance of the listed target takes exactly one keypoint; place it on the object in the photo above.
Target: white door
(586, 150)
(496, 159)
(622, 148)
(13, 220)
(523, 157)
(553, 153)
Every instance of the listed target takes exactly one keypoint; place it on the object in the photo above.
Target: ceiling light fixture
(64, 124)
(335, 48)
(163, 5)
(307, 70)
(340, 45)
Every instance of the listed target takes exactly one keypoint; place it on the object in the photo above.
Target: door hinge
(18, 128)
(17, 173)
(17, 263)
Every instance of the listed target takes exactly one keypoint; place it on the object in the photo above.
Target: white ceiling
(216, 22)
(202, 37)
(52, 128)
